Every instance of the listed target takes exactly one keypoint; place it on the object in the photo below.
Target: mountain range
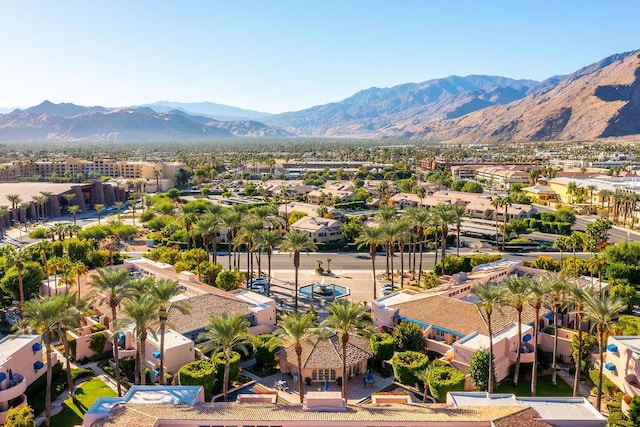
(597, 101)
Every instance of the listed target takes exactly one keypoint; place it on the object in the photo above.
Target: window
(323, 374)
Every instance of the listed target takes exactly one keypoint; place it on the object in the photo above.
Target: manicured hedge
(443, 379)
(265, 351)
(234, 370)
(406, 364)
(199, 372)
(382, 346)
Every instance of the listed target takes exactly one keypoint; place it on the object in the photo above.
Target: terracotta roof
(318, 353)
(202, 307)
(526, 418)
(133, 414)
(460, 316)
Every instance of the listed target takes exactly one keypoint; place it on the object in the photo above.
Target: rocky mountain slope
(70, 122)
(378, 111)
(597, 101)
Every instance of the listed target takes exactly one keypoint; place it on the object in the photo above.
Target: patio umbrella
(325, 386)
(281, 376)
(10, 375)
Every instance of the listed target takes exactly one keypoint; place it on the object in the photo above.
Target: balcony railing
(13, 403)
(527, 354)
(12, 387)
(632, 385)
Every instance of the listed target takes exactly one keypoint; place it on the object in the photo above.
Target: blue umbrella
(325, 386)
(10, 375)
(281, 376)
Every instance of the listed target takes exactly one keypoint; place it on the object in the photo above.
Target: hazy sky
(277, 56)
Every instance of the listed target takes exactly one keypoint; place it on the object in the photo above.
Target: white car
(387, 289)
(258, 284)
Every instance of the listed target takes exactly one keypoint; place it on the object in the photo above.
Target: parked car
(258, 284)
(387, 289)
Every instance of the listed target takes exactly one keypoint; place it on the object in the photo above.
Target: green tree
(536, 296)
(99, 207)
(296, 241)
(268, 240)
(634, 411)
(479, 370)
(295, 328)
(408, 336)
(227, 332)
(491, 295)
(114, 285)
(227, 280)
(16, 258)
(163, 291)
(602, 311)
(31, 275)
(345, 317)
(382, 346)
(557, 290)
(443, 215)
(71, 318)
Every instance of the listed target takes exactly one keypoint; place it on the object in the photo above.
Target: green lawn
(86, 393)
(545, 388)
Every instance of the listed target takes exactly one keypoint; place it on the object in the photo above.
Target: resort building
(22, 361)
(322, 358)
(320, 230)
(622, 365)
(173, 406)
(285, 209)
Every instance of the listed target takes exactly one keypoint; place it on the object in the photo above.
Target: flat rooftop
(10, 344)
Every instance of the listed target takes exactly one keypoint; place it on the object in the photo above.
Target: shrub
(127, 367)
(382, 346)
(443, 379)
(408, 337)
(634, 411)
(265, 351)
(97, 342)
(218, 364)
(38, 233)
(199, 372)
(98, 327)
(608, 387)
(21, 416)
(406, 364)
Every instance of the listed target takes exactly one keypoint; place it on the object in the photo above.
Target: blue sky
(277, 56)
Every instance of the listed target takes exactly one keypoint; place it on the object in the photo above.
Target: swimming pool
(251, 388)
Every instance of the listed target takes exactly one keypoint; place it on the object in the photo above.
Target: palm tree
(557, 288)
(156, 174)
(227, 332)
(16, 258)
(43, 316)
(403, 235)
(296, 241)
(296, 327)
(517, 288)
(606, 194)
(458, 213)
(385, 215)
(345, 316)
(420, 218)
(591, 188)
(208, 226)
(390, 231)
(142, 312)
(70, 318)
(73, 210)
(562, 243)
(99, 207)
(79, 270)
(577, 298)
(443, 216)
(231, 220)
(602, 311)
(163, 291)
(490, 295)
(371, 237)
(537, 295)
(118, 205)
(15, 201)
(268, 239)
(246, 236)
(114, 284)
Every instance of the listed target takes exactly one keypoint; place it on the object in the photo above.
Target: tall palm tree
(227, 332)
(562, 243)
(577, 297)
(443, 216)
(16, 258)
(294, 242)
(267, 240)
(403, 235)
(517, 289)
(557, 289)
(420, 218)
(385, 214)
(591, 188)
(458, 213)
(99, 207)
(73, 210)
(602, 311)
(371, 237)
(42, 317)
(231, 220)
(163, 291)
(345, 316)
(606, 194)
(390, 231)
(246, 236)
(115, 285)
(142, 312)
(208, 227)
(71, 318)
(79, 269)
(296, 327)
(537, 295)
(15, 201)
(491, 295)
